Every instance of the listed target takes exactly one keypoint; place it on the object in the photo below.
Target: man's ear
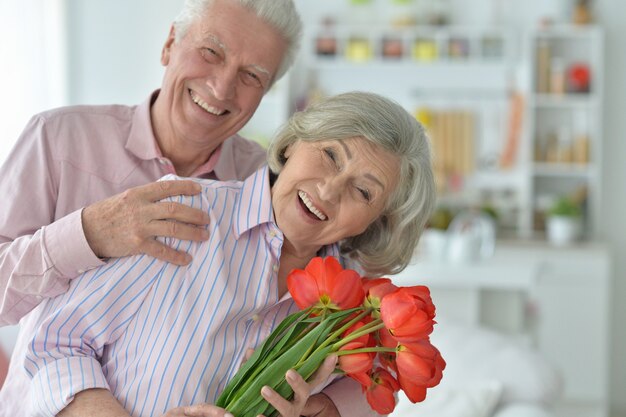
(167, 47)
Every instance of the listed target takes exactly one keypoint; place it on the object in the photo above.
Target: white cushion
(523, 410)
(476, 400)
(475, 354)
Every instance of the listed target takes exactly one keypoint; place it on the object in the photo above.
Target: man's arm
(101, 403)
(41, 249)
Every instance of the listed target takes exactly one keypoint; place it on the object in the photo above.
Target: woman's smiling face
(331, 190)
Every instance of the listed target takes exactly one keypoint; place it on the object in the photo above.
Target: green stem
(368, 328)
(365, 350)
(343, 328)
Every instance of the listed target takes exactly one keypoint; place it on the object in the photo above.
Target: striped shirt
(158, 335)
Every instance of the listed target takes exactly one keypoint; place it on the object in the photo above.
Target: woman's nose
(329, 189)
(223, 83)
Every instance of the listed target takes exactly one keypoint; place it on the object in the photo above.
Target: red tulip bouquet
(380, 333)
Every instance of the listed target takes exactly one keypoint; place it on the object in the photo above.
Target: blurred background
(525, 109)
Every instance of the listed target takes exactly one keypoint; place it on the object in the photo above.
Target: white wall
(32, 71)
(115, 48)
(613, 16)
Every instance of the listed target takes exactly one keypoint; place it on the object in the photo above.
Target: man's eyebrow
(262, 70)
(212, 38)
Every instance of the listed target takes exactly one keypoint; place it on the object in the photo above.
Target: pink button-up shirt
(65, 160)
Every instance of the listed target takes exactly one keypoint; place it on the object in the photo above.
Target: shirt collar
(142, 142)
(256, 193)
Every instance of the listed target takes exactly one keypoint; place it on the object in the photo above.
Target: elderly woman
(350, 176)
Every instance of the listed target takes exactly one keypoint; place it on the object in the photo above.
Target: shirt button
(275, 268)
(255, 317)
(272, 233)
(163, 161)
(81, 271)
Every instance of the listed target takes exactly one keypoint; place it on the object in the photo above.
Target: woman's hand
(303, 403)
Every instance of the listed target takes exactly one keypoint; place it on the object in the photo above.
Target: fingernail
(291, 375)
(266, 391)
(228, 415)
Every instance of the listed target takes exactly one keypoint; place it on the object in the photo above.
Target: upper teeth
(310, 206)
(205, 106)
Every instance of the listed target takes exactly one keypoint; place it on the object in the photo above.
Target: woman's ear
(287, 151)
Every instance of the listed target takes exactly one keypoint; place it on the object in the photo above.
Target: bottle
(557, 76)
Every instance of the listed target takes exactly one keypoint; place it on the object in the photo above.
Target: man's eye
(210, 55)
(250, 78)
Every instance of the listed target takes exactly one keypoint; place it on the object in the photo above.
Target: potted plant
(435, 239)
(563, 222)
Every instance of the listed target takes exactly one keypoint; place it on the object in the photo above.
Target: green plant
(564, 206)
(440, 219)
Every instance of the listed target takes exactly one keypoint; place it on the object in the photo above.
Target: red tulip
(380, 393)
(414, 392)
(376, 288)
(386, 339)
(365, 339)
(324, 284)
(408, 313)
(388, 361)
(362, 378)
(420, 363)
(356, 362)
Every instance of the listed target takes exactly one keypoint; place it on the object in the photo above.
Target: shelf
(544, 169)
(564, 100)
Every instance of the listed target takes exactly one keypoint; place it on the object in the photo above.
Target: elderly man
(75, 188)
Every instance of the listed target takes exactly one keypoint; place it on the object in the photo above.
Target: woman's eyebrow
(346, 149)
(369, 176)
(376, 180)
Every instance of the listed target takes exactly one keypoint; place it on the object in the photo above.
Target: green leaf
(262, 352)
(275, 373)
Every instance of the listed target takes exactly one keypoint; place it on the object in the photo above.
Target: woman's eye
(331, 154)
(365, 193)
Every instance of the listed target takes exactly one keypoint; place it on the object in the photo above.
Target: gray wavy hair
(386, 247)
(280, 14)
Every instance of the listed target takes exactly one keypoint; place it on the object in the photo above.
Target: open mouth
(308, 204)
(205, 106)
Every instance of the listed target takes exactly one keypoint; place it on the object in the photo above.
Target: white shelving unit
(446, 70)
(564, 121)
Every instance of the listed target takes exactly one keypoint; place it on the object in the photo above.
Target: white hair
(388, 243)
(280, 14)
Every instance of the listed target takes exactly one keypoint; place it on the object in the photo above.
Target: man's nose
(223, 83)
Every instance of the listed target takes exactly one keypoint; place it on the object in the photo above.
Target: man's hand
(127, 223)
(303, 403)
(101, 403)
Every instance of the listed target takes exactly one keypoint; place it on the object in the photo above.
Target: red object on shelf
(578, 78)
